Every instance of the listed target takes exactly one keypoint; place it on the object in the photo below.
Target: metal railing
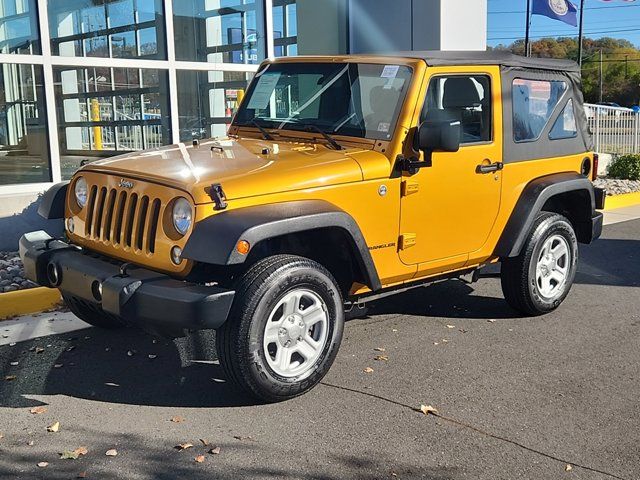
(614, 129)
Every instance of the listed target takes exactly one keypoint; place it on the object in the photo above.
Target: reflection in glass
(19, 27)
(24, 149)
(207, 101)
(102, 111)
(103, 28)
(229, 31)
(285, 28)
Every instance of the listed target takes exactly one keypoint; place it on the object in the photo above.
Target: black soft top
(437, 58)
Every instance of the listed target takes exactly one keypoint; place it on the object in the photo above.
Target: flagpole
(528, 27)
(581, 32)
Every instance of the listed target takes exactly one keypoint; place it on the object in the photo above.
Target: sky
(617, 19)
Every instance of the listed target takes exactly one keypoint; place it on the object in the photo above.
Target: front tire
(539, 279)
(284, 329)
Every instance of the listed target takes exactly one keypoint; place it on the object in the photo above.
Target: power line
(503, 12)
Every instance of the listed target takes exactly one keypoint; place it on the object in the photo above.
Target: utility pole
(527, 53)
(580, 34)
(601, 75)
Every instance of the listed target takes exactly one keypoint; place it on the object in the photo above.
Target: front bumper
(152, 301)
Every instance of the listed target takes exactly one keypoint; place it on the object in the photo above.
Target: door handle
(483, 169)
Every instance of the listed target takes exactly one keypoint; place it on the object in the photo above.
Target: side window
(565, 126)
(533, 103)
(466, 98)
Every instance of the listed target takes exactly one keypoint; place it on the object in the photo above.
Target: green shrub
(625, 167)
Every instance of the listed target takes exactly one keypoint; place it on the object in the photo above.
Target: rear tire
(91, 314)
(284, 329)
(539, 279)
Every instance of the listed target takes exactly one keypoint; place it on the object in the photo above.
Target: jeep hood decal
(244, 167)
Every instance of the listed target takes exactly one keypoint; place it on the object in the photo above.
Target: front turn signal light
(243, 247)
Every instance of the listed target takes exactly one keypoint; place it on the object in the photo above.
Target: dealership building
(84, 79)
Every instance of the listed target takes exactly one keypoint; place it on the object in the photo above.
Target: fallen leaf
(462, 330)
(177, 419)
(111, 384)
(81, 451)
(14, 364)
(241, 438)
(111, 452)
(215, 451)
(204, 442)
(53, 428)
(131, 353)
(568, 468)
(199, 459)
(380, 349)
(43, 464)
(381, 358)
(183, 446)
(427, 409)
(451, 326)
(10, 378)
(69, 455)
(491, 320)
(57, 365)
(38, 410)
(368, 370)
(152, 357)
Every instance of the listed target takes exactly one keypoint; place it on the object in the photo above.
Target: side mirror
(438, 135)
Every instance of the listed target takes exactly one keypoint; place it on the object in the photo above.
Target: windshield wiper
(314, 128)
(265, 133)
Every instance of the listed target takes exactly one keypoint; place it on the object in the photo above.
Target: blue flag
(562, 10)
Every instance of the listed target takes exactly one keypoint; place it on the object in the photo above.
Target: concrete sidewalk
(621, 214)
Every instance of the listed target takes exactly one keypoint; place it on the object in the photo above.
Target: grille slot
(119, 218)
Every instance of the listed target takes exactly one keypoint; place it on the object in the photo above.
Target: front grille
(120, 218)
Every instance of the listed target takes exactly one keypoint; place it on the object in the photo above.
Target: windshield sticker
(263, 91)
(390, 71)
(384, 127)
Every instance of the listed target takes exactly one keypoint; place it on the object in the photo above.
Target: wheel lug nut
(282, 332)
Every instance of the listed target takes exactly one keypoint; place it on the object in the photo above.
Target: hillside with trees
(620, 65)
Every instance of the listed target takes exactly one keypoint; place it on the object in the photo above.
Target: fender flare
(53, 202)
(529, 205)
(213, 240)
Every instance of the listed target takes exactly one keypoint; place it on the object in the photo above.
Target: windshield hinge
(217, 195)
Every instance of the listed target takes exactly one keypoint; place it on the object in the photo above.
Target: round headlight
(182, 215)
(81, 191)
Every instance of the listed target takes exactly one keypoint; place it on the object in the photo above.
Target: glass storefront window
(207, 101)
(103, 28)
(19, 27)
(24, 145)
(104, 111)
(285, 28)
(229, 31)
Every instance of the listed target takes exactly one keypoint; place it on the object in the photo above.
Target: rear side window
(533, 103)
(565, 126)
(464, 98)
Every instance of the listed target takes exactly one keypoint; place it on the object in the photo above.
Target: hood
(244, 167)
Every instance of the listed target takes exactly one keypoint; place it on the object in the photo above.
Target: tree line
(620, 65)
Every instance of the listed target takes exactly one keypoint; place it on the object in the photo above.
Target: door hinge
(409, 188)
(407, 240)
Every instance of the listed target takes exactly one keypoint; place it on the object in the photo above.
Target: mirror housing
(438, 136)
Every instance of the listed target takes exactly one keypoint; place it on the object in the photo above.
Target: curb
(24, 302)
(620, 201)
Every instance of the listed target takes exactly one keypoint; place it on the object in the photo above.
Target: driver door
(448, 208)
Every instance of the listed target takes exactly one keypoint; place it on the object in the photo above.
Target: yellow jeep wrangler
(342, 180)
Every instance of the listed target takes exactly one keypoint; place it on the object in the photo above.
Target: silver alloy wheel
(552, 267)
(296, 333)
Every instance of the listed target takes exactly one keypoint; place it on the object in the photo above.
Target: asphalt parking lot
(533, 398)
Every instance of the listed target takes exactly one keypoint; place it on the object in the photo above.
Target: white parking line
(41, 325)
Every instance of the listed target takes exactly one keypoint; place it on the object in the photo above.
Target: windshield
(352, 99)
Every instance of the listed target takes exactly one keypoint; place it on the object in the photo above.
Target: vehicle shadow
(121, 366)
(14, 226)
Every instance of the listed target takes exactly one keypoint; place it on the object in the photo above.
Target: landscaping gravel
(12, 274)
(617, 187)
